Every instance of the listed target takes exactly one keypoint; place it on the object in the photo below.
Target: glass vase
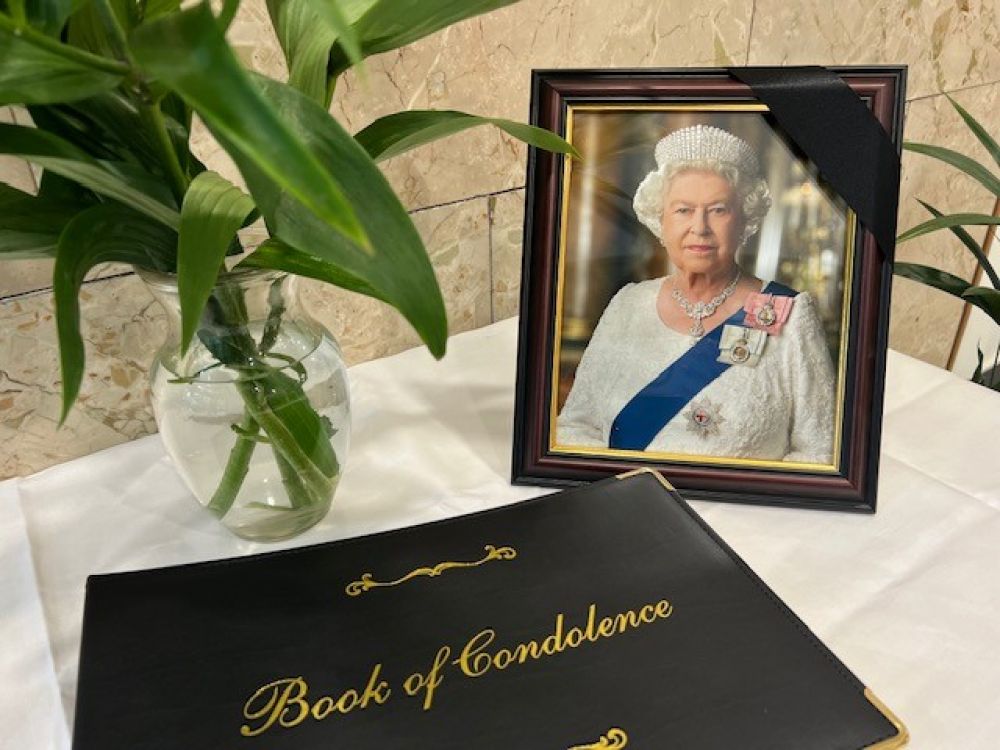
(255, 414)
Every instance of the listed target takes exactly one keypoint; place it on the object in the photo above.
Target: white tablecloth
(908, 598)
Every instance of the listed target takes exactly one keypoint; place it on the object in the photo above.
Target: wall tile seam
(458, 201)
(753, 15)
(959, 90)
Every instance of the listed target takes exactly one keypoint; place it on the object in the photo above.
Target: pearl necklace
(698, 311)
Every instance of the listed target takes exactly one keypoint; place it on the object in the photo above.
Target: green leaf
(399, 272)
(388, 24)
(946, 282)
(30, 225)
(213, 82)
(213, 210)
(979, 131)
(397, 133)
(306, 42)
(971, 244)
(34, 74)
(92, 30)
(48, 16)
(99, 234)
(971, 167)
(977, 374)
(334, 18)
(278, 256)
(986, 299)
(946, 222)
(119, 181)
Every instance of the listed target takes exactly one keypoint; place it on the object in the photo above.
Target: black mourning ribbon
(838, 132)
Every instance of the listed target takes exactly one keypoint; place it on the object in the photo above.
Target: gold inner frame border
(850, 242)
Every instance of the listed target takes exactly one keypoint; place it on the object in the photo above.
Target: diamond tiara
(700, 142)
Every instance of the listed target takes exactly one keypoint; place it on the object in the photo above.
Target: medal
(766, 315)
(740, 352)
(766, 312)
(741, 346)
(704, 418)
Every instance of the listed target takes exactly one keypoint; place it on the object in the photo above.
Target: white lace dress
(781, 409)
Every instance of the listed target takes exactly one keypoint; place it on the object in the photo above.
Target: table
(908, 598)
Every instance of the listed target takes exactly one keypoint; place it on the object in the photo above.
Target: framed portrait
(705, 290)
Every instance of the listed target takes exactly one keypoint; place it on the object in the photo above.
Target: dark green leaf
(986, 299)
(90, 29)
(971, 244)
(62, 121)
(276, 255)
(228, 13)
(945, 222)
(157, 8)
(33, 74)
(979, 131)
(977, 374)
(48, 16)
(118, 181)
(30, 225)
(397, 133)
(942, 280)
(97, 235)
(213, 210)
(399, 271)
(389, 24)
(213, 82)
(971, 167)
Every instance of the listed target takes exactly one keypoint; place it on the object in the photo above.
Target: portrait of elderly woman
(708, 360)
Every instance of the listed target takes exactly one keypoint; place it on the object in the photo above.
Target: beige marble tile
(924, 321)
(948, 44)
(15, 172)
(506, 237)
(23, 275)
(122, 328)
(457, 239)
(483, 66)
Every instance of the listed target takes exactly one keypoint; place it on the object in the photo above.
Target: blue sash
(642, 418)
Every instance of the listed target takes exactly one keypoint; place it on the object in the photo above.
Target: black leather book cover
(607, 616)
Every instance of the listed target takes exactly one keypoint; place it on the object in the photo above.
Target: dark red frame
(854, 488)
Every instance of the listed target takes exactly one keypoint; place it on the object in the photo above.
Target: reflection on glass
(801, 243)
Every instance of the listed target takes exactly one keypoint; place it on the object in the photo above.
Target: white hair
(754, 197)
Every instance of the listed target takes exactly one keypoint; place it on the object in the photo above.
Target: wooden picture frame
(631, 110)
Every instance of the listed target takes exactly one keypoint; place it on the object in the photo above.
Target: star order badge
(704, 418)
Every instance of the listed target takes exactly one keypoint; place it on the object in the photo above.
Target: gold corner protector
(367, 581)
(615, 739)
(647, 470)
(902, 735)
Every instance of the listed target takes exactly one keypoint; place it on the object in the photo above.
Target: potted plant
(249, 393)
(986, 298)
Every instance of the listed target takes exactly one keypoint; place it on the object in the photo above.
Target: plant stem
(236, 468)
(66, 51)
(282, 440)
(298, 494)
(179, 182)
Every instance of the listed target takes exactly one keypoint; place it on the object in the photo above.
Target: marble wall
(467, 195)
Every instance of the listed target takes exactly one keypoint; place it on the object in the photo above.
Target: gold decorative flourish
(367, 581)
(615, 739)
